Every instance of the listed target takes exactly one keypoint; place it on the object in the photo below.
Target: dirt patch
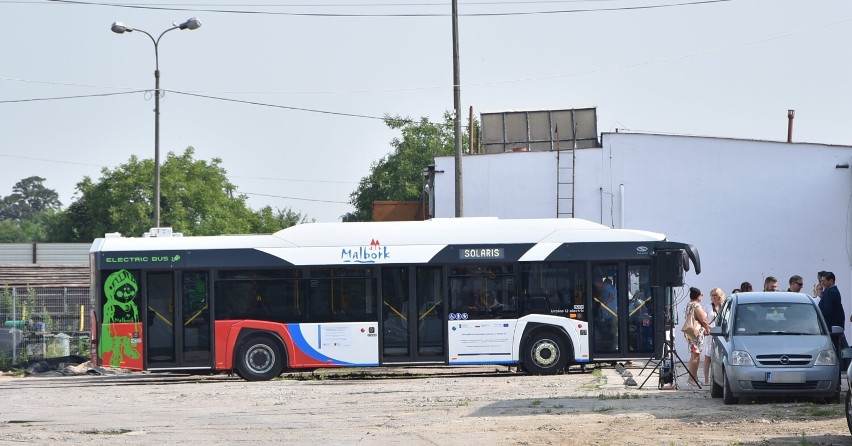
(440, 406)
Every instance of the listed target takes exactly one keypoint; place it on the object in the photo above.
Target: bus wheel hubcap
(545, 352)
(260, 358)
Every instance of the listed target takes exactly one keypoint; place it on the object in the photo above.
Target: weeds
(106, 431)
(815, 410)
(622, 396)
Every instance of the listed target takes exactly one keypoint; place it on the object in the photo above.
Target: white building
(752, 208)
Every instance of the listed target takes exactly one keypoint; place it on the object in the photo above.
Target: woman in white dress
(717, 296)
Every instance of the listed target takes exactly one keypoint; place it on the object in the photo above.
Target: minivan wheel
(835, 397)
(727, 396)
(715, 389)
(849, 410)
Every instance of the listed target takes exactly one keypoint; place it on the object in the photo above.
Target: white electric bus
(541, 294)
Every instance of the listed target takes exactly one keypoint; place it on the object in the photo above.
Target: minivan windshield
(774, 318)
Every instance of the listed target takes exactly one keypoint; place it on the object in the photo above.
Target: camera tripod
(666, 364)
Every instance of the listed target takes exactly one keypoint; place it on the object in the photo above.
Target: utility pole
(457, 104)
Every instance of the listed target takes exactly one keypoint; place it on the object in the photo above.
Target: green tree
(29, 197)
(269, 221)
(399, 175)
(196, 199)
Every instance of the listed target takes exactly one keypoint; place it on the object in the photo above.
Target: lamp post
(121, 28)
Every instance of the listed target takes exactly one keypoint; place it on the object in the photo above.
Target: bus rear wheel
(546, 354)
(259, 359)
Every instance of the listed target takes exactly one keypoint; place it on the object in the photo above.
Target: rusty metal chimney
(790, 115)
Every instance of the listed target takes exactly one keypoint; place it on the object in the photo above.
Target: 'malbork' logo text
(365, 254)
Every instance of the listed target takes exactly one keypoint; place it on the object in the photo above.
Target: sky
(289, 94)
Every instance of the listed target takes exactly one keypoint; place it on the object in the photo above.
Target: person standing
(745, 287)
(818, 285)
(770, 284)
(830, 303)
(796, 284)
(832, 311)
(693, 308)
(717, 296)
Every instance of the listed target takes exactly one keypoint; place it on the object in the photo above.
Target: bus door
(412, 314)
(177, 317)
(623, 310)
(607, 310)
(642, 311)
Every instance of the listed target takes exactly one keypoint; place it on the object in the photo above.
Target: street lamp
(121, 28)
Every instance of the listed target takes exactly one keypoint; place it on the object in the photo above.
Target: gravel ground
(402, 406)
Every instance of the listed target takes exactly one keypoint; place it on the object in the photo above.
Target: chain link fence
(44, 322)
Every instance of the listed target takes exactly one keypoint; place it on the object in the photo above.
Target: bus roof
(433, 241)
(440, 231)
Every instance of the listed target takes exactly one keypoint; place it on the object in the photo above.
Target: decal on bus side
(121, 330)
(365, 254)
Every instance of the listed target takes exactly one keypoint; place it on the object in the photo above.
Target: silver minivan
(773, 344)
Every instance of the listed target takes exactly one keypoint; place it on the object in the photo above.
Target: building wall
(508, 185)
(44, 253)
(753, 208)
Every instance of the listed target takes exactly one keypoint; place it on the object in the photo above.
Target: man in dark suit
(830, 304)
(832, 311)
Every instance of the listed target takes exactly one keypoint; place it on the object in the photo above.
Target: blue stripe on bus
(304, 347)
(302, 344)
(484, 354)
(483, 362)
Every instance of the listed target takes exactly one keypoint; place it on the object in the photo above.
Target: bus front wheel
(546, 354)
(259, 359)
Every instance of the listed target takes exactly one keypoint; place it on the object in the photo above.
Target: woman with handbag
(695, 326)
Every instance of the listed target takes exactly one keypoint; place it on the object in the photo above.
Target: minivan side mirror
(846, 353)
(836, 330)
(716, 331)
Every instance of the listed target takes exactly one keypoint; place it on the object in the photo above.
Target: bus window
(483, 291)
(342, 295)
(267, 295)
(556, 288)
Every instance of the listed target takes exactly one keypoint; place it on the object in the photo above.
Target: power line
(47, 160)
(50, 160)
(69, 97)
(345, 5)
(316, 14)
(293, 198)
(63, 84)
(246, 193)
(311, 110)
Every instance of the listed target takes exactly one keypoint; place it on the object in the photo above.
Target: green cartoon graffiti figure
(120, 290)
